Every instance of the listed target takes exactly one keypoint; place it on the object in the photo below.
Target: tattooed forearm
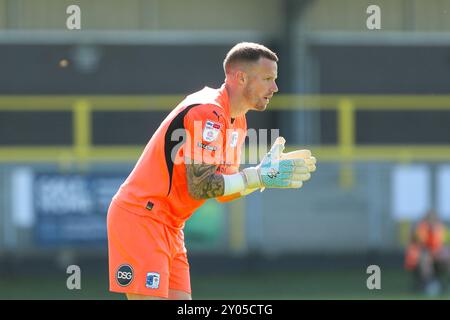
(203, 182)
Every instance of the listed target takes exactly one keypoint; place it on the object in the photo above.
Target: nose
(274, 87)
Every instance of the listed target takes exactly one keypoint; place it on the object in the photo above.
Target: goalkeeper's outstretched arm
(204, 183)
(276, 170)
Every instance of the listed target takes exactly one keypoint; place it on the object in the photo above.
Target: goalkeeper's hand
(274, 171)
(310, 161)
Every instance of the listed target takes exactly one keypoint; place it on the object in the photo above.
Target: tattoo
(203, 182)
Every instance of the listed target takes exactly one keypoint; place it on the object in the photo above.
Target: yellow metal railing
(345, 151)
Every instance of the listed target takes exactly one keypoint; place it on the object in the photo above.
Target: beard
(254, 103)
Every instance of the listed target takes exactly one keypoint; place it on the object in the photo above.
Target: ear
(241, 77)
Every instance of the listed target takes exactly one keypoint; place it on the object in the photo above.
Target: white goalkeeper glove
(310, 161)
(274, 171)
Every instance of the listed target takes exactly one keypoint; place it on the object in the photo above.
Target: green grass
(302, 285)
(349, 284)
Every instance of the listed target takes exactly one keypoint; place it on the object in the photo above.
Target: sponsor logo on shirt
(206, 147)
(124, 275)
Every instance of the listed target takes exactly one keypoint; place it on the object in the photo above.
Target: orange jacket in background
(431, 236)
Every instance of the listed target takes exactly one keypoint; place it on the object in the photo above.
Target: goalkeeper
(193, 156)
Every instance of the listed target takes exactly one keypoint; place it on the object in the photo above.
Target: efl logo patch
(124, 275)
(211, 131)
(152, 280)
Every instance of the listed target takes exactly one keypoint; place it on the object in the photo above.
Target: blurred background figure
(427, 255)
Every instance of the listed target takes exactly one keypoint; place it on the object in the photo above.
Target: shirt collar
(224, 99)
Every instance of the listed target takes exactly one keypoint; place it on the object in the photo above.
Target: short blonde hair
(247, 52)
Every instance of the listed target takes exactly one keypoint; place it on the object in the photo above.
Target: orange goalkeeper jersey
(198, 129)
